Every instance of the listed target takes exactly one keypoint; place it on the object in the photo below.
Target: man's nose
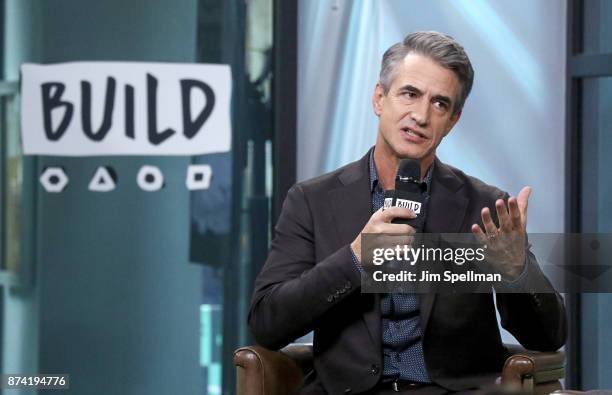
(420, 112)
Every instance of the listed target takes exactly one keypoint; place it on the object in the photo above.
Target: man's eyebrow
(442, 98)
(411, 88)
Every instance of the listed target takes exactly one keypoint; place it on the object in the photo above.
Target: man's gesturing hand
(506, 244)
(380, 222)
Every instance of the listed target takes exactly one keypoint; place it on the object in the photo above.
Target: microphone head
(410, 193)
(409, 169)
(408, 176)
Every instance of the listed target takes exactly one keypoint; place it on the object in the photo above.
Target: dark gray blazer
(309, 283)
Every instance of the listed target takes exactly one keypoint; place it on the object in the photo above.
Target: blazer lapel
(447, 206)
(351, 202)
(446, 213)
(351, 205)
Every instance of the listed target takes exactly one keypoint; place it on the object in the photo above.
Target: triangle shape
(590, 272)
(103, 180)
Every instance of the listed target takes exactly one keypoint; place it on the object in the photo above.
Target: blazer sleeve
(535, 313)
(293, 291)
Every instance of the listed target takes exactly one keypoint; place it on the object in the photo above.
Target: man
(367, 343)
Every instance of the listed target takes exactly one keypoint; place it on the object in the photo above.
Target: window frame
(579, 67)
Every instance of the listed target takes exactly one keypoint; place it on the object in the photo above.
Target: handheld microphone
(409, 192)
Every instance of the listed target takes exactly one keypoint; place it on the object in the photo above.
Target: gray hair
(441, 48)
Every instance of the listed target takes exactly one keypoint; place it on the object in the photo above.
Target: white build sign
(125, 108)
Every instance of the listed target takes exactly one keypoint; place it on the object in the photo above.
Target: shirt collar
(374, 173)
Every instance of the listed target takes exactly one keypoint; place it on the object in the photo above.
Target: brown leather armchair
(264, 372)
(591, 392)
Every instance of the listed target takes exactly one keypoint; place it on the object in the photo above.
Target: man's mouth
(413, 134)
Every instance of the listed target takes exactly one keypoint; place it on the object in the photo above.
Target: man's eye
(441, 105)
(410, 94)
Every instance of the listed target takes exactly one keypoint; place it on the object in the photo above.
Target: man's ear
(452, 121)
(377, 99)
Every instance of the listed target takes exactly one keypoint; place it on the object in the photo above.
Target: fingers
(381, 221)
(386, 235)
(480, 235)
(395, 229)
(523, 202)
(487, 221)
(515, 213)
(398, 240)
(505, 224)
(511, 217)
(387, 215)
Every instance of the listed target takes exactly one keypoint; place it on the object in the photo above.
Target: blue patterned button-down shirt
(401, 323)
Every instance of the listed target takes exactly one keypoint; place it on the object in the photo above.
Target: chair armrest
(264, 372)
(301, 354)
(538, 367)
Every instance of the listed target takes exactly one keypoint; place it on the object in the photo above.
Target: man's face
(418, 110)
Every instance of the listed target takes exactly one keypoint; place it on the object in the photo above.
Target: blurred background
(147, 293)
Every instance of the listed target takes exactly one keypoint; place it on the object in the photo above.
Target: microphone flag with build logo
(410, 193)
